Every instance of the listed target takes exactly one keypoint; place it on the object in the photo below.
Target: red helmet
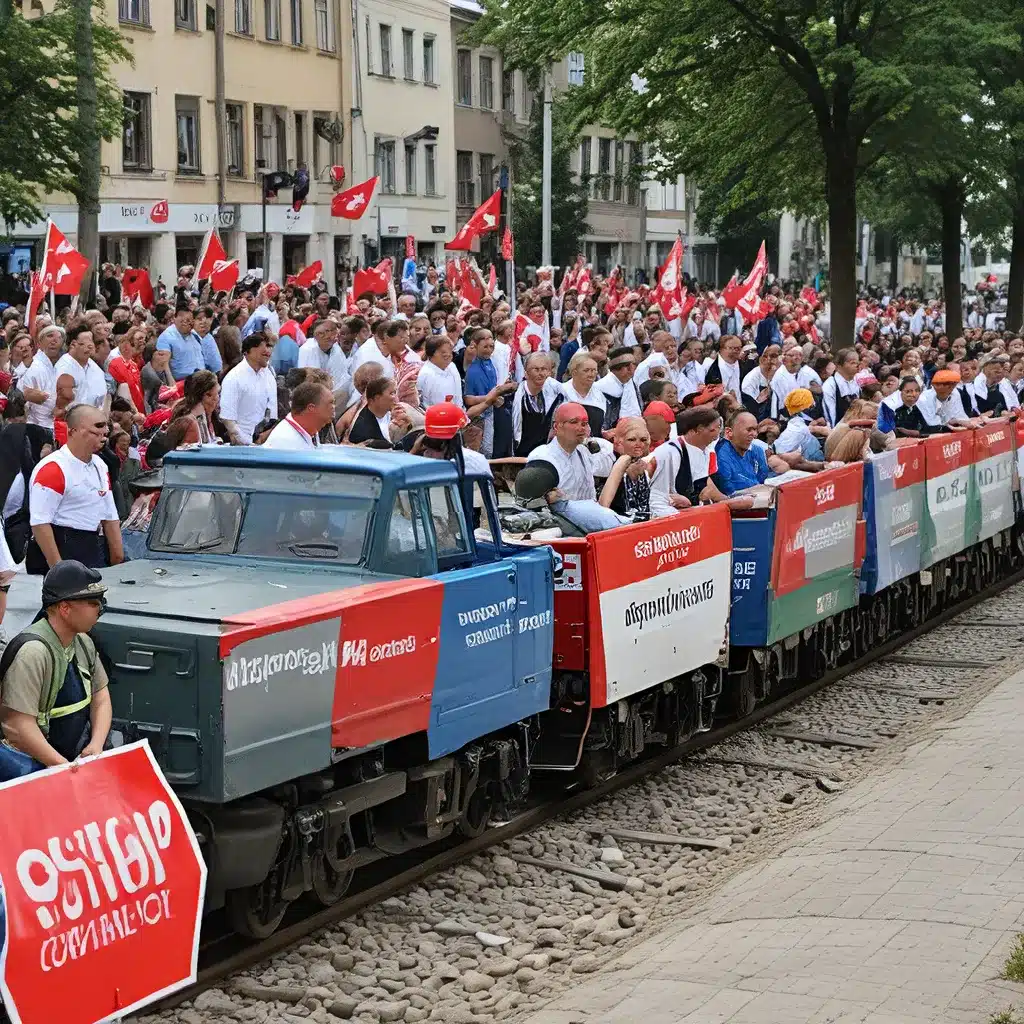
(444, 420)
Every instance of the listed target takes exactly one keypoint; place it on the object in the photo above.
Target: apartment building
(287, 97)
(403, 126)
(492, 103)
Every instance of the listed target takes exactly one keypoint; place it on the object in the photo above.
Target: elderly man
(312, 409)
(940, 405)
(185, 348)
(743, 461)
(322, 352)
(577, 461)
(622, 396)
(39, 382)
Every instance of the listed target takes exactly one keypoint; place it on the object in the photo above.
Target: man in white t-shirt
(248, 394)
(312, 408)
(39, 382)
(322, 352)
(77, 363)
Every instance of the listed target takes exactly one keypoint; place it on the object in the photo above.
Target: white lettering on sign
(74, 876)
(572, 573)
(353, 652)
(827, 602)
(992, 438)
(528, 623)
(666, 542)
(901, 513)
(489, 635)
(487, 612)
(811, 541)
(640, 612)
(826, 492)
(393, 649)
(893, 472)
(259, 671)
(951, 450)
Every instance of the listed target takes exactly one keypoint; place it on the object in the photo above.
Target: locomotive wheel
(477, 815)
(251, 912)
(329, 886)
(746, 691)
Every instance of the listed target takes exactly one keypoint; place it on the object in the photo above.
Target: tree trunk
(895, 248)
(1015, 298)
(951, 197)
(87, 134)
(841, 185)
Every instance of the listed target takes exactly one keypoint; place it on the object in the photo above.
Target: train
(339, 656)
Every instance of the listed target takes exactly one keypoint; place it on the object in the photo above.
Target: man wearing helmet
(440, 439)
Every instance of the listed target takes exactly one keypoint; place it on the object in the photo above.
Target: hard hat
(444, 420)
(535, 479)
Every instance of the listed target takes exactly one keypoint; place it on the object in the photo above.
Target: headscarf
(798, 400)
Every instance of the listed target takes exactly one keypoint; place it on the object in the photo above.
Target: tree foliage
(38, 105)
(568, 194)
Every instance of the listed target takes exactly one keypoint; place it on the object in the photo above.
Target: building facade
(287, 96)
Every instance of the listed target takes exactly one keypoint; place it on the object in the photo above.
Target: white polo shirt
(90, 382)
(290, 436)
(247, 397)
(65, 491)
(437, 385)
(335, 362)
(41, 375)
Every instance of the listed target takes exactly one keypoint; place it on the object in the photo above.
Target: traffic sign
(103, 883)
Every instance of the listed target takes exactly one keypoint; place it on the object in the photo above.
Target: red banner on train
(103, 886)
(816, 526)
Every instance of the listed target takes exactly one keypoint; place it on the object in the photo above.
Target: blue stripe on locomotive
(894, 516)
(752, 541)
(497, 638)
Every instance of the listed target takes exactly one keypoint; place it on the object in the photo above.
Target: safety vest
(85, 661)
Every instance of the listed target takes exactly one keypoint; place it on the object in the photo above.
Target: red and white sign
(160, 213)
(658, 600)
(410, 247)
(103, 883)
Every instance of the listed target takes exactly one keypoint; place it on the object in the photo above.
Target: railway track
(223, 955)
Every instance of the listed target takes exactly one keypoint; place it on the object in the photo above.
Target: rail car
(337, 656)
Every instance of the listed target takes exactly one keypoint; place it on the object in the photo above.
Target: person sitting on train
(800, 432)
(682, 469)
(577, 458)
(660, 420)
(908, 420)
(743, 461)
(941, 406)
(628, 488)
(991, 392)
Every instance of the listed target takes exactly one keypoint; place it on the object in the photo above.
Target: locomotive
(338, 656)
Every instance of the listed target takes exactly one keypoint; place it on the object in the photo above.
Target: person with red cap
(660, 419)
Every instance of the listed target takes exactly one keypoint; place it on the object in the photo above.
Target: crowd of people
(619, 412)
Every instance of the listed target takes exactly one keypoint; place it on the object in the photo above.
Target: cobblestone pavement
(901, 909)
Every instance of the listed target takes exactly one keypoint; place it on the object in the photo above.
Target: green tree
(568, 195)
(43, 143)
(790, 100)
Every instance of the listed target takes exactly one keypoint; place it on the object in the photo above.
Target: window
(236, 139)
(296, 19)
(464, 178)
(384, 161)
(464, 77)
(636, 157)
(486, 175)
(281, 138)
(136, 150)
(187, 111)
(323, 14)
(263, 132)
(135, 12)
(604, 168)
(620, 169)
(508, 91)
(575, 64)
(429, 78)
(408, 61)
(185, 14)
(243, 17)
(585, 164)
(300, 138)
(407, 553)
(206, 521)
(430, 170)
(487, 83)
(410, 169)
(272, 14)
(385, 51)
(317, 528)
(446, 514)
(325, 154)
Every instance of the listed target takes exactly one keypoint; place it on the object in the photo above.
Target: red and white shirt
(65, 491)
(288, 435)
(126, 371)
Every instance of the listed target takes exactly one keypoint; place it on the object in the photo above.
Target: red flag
(492, 282)
(410, 247)
(137, 287)
(750, 303)
(337, 174)
(733, 292)
(452, 277)
(471, 291)
(809, 295)
(584, 285)
(508, 245)
(350, 303)
(36, 297)
(211, 253)
(355, 201)
(224, 275)
(64, 267)
(484, 219)
(372, 279)
(670, 293)
(309, 277)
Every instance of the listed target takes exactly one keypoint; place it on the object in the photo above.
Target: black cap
(71, 581)
(535, 479)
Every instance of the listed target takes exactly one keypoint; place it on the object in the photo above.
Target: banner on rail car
(949, 522)
(993, 477)
(661, 599)
(816, 526)
(894, 495)
(103, 885)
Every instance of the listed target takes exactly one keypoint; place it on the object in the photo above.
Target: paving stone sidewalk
(901, 909)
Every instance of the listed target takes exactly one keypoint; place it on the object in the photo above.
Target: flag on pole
(372, 279)
(309, 277)
(508, 245)
(484, 219)
(355, 201)
(492, 282)
(224, 275)
(137, 288)
(211, 253)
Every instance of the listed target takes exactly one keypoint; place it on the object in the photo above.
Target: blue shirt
(736, 471)
(285, 356)
(186, 353)
(211, 354)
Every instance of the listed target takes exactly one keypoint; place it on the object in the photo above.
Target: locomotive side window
(332, 529)
(446, 513)
(197, 521)
(407, 553)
